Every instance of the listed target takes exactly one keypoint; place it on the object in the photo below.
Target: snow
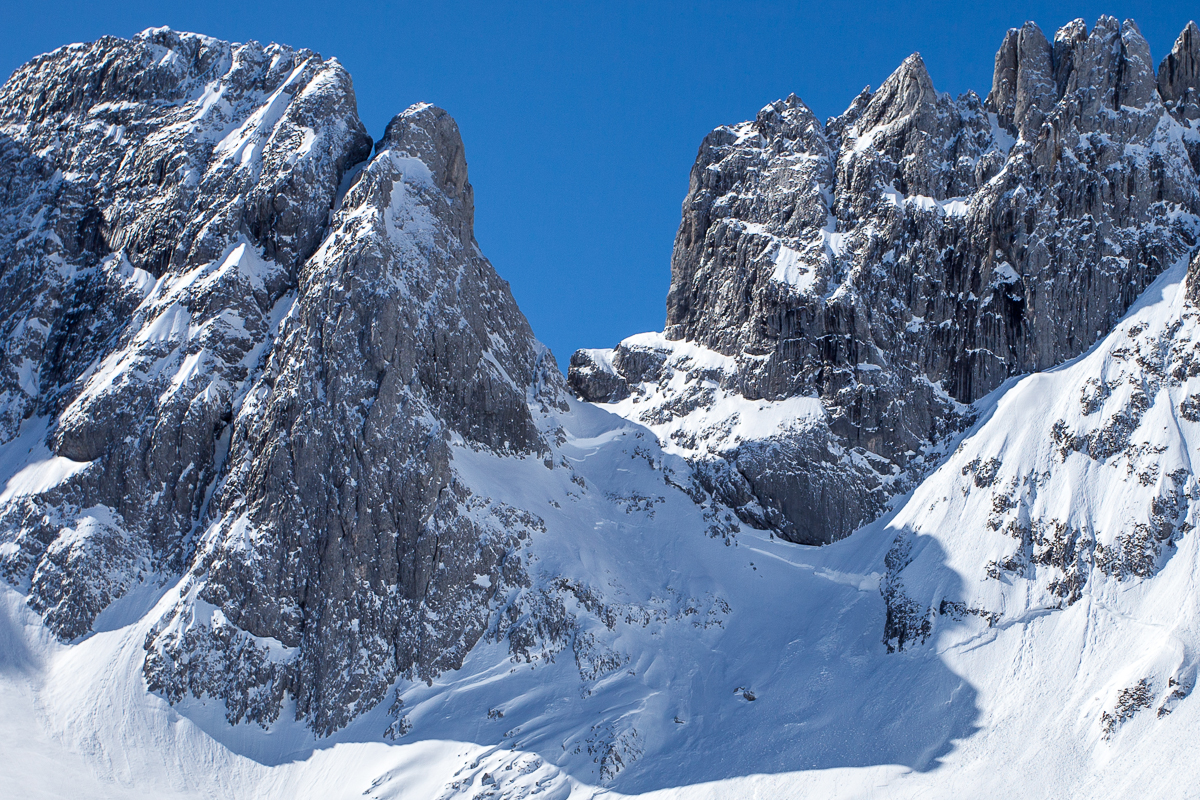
(244, 145)
(1004, 273)
(658, 703)
(1003, 139)
(409, 221)
(172, 324)
(602, 358)
(834, 715)
(29, 466)
(723, 420)
(950, 207)
(40, 476)
(790, 270)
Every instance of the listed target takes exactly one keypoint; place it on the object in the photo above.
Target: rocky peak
(1179, 74)
(909, 272)
(902, 138)
(906, 93)
(1067, 43)
(181, 106)
(1105, 69)
(344, 529)
(428, 133)
(162, 193)
(790, 120)
(251, 350)
(156, 64)
(1136, 86)
(1023, 86)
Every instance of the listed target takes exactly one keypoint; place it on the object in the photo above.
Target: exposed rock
(592, 375)
(1023, 86)
(244, 353)
(343, 531)
(905, 259)
(1179, 75)
(160, 196)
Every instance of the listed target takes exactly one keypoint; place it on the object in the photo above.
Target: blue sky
(581, 121)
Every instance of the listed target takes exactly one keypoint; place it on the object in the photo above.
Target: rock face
(343, 532)
(240, 348)
(1179, 75)
(160, 195)
(903, 260)
(268, 372)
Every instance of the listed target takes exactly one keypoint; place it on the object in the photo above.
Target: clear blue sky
(581, 121)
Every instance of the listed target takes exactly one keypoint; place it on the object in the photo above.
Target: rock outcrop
(161, 194)
(251, 362)
(345, 549)
(240, 348)
(903, 260)
(1179, 75)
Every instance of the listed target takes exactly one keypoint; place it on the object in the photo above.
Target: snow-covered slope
(649, 637)
(1076, 501)
(414, 567)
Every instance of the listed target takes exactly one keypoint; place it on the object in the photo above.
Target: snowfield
(306, 511)
(700, 659)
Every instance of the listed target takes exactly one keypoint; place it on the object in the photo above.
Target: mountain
(160, 197)
(899, 263)
(295, 504)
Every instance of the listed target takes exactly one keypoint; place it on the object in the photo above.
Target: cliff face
(903, 260)
(238, 347)
(343, 535)
(161, 194)
(275, 441)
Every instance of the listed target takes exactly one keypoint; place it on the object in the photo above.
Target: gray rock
(904, 260)
(591, 374)
(343, 530)
(1023, 86)
(1179, 75)
(161, 194)
(250, 348)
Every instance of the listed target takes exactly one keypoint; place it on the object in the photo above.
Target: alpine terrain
(900, 503)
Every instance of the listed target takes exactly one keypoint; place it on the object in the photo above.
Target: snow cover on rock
(679, 664)
(344, 545)
(158, 195)
(905, 258)
(412, 566)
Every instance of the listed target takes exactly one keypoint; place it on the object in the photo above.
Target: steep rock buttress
(891, 267)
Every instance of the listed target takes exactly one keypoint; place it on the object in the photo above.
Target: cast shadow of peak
(836, 699)
(828, 695)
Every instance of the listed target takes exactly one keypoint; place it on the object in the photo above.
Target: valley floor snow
(729, 666)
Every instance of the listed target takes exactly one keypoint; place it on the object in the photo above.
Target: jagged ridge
(904, 259)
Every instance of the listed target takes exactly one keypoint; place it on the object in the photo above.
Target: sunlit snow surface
(690, 627)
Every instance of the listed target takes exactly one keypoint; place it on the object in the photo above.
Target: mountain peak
(906, 92)
(428, 133)
(1179, 72)
(277, 446)
(1023, 88)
